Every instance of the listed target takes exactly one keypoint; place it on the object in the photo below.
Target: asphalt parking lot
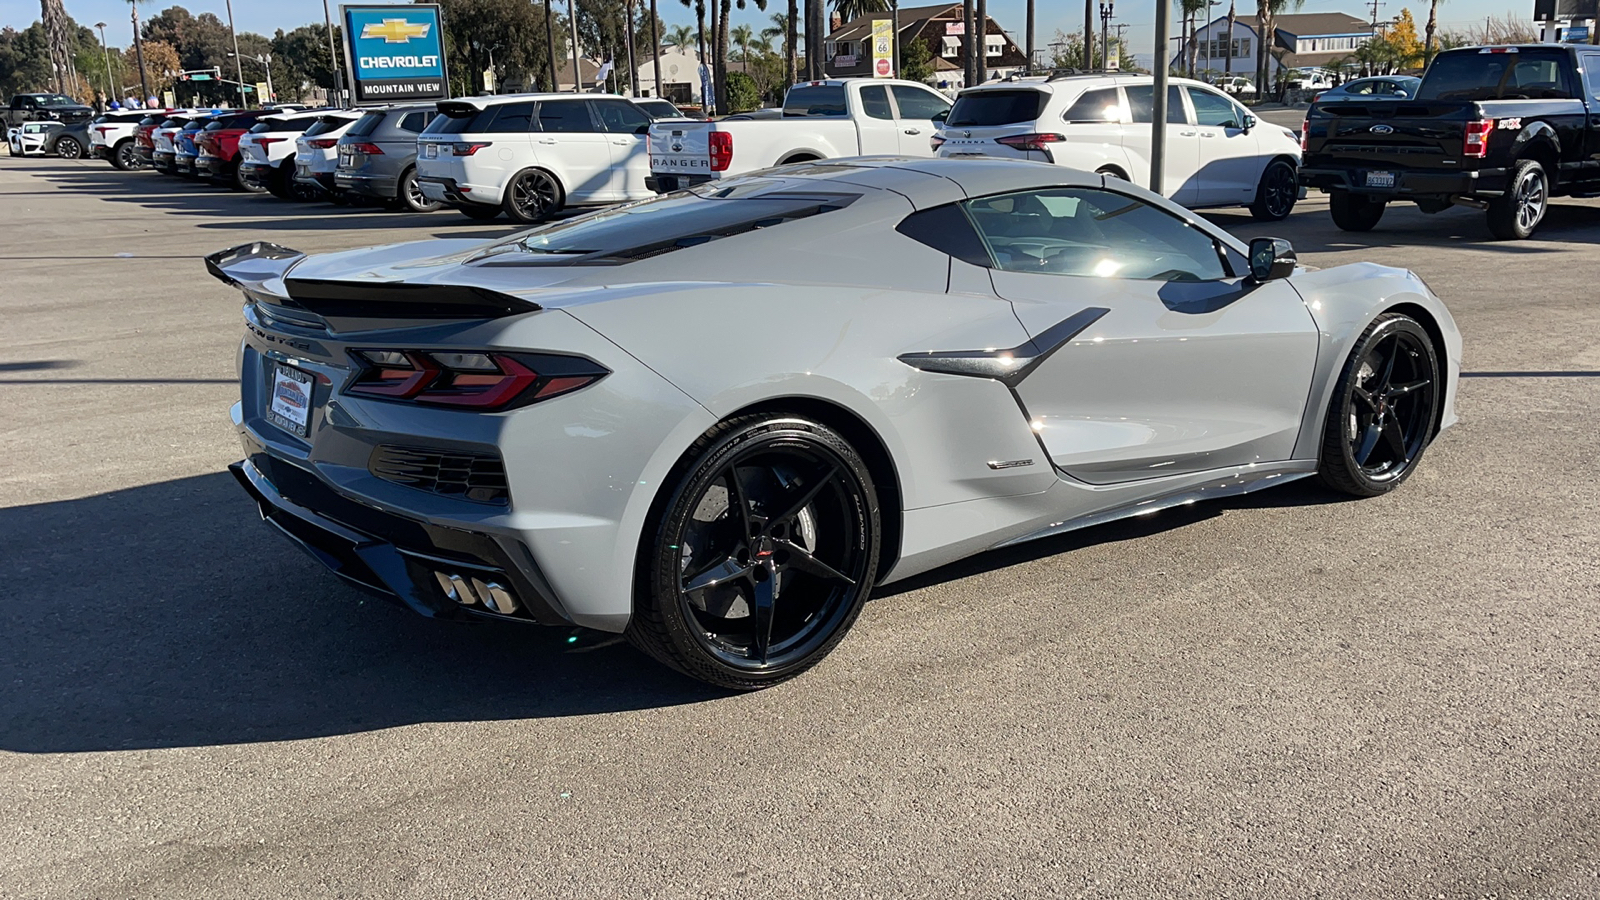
(1285, 695)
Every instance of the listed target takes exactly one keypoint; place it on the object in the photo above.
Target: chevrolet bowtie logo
(395, 31)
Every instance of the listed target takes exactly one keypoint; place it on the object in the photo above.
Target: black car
(1501, 129)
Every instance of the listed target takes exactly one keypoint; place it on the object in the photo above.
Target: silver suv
(378, 156)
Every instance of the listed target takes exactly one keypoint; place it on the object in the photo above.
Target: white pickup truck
(821, 120)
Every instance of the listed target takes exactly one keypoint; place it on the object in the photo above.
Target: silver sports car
(716, 419)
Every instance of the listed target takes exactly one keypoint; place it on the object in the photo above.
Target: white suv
(267, 154)
(316, 154)
(1217, 153)
(530, 155)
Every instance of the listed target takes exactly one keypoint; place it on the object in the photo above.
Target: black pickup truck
(1501, 129)
(44, 108)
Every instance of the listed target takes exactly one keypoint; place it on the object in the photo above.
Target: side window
(1100, 105)
(1214, 109)
(1591, 74)
(916, 103)
(1362, 87)
(948, 230)
(875, 102)
(414, 122)
(1093, 233)
(620, 116)
(565, 117)
(1141, 101)
(512, 118)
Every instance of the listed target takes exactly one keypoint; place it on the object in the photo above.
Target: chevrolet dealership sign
(394, 53)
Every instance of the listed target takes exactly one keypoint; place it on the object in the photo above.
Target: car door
(627, 130)
(917, 114)
(569, 143)
(878, 133)
(1181, 155)
(1229, 155)
(1161, 360)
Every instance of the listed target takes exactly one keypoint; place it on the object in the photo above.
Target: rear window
(673, 222)
(817, 100)
(461, 118)
(1531, 74)
(367, 124)
(414, 122)
(985, 108)
(326, 124)
(293, 126)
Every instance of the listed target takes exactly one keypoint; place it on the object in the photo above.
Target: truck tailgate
(680, 148)
(1391, 134)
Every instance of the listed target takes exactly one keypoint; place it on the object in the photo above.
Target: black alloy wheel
(1277, 193)
(763, 556)
(533, 197)
(411, 196)
(1514, 215)
(1383, 410)
(126, 157)
(69, 148)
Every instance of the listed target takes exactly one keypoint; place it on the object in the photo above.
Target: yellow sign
(263, 93)
(396, 31)
(882, 48)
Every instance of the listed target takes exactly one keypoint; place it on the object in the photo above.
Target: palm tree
(1266, 15)
(855, 9)
(680, 36)
(1191, 11)
(783, 28)
(138, 49)
(1428, 48)
(1232, 15)
(743, 36)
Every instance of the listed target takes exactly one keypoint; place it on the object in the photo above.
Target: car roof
(976, 177)
(487, 100)
(1084, 81)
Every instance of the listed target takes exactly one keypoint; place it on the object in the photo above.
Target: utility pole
(138, 49)
(1030, 37)
(1088, 33)
(1158, 98)
(981, 16)
(633, 72)
(333, 55)
(572, 20)
(238, 64)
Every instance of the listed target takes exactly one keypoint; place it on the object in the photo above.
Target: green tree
(679, 36)
(1068, 52)
(1267, 12)
(743, 36)
(855, 9)
(785, 29)
(916, 61)
(743, 95)
(300, 61)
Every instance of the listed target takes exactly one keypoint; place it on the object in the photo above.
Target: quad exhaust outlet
(470, 591)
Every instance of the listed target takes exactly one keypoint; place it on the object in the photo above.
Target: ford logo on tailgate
(1382, 129)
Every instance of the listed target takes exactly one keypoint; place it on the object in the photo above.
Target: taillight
(936, 142)
(464, 148)
(322, 143)
(470, 379)
(1305, 134)
(1477, 143)
(368, 149)
(1031, 141)
(721, 150)
(264, 141)
(102, 129)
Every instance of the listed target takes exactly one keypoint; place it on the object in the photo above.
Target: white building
(1309, 40)
(680, 76)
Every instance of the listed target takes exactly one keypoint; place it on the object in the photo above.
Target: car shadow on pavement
(169, 615)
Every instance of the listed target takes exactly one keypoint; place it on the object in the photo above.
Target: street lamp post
(1107, 11)
(238, 64)
(1158, 100)
(266, 63)
(572, 20)
(111, 92)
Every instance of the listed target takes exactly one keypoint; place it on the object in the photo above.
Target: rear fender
(1538, 141)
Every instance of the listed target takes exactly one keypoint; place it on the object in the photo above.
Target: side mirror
(1401, 94)
(1271, 259)
(1249, 122)
(941, 115)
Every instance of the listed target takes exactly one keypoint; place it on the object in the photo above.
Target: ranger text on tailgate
(1501, 129)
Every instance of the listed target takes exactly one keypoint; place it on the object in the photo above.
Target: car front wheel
(1383, 409)
(762, 555)
(1277, 193)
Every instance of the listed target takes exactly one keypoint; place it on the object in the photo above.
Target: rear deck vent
(479, 477)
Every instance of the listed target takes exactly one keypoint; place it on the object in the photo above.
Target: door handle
(1208, 134)
(622, 143)
(913, 131)
(1186, 134)
(547, 140)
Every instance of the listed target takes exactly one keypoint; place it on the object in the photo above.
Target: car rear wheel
(1514, 215)
(410, 194)
(69, 148)
(762, 556)
(533, 196)
(1383, 409)
(478, 212)
(126, 156)
(1277, 193)
(1354, 212)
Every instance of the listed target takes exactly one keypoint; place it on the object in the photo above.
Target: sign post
(394, 53)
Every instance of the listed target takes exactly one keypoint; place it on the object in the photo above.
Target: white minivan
(531, 155)
(1216, 154)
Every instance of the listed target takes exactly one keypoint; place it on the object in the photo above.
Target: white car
(267, 153)
(820, 120)
(316, 154)
(531, 155)
(1217, 153)
(111, 138)
(1237, 86)
(31, 138)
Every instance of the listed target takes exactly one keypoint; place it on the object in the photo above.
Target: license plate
(430, 151)
(289, 405)
(345, 156)
(1380, 179)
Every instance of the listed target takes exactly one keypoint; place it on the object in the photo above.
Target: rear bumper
(454, 193)
(666, 184)
(322, 180)
(385, 187)
(1409, 183)
(393, 556)
(100, 151)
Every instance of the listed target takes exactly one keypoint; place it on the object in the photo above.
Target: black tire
(533, 196)
(125, 156)
(796, 567)
(1277, 192)
(1514, 215)
(1354, 212)
(479, 212)
(1110, 171)
(1381, 416)
(69, 148)
(239, 182)
(410, 196)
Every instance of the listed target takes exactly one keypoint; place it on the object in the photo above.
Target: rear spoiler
(249, 266)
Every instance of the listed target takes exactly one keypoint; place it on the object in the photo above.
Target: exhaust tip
(473, 591)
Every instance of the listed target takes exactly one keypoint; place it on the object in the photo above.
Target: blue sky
(266, 17)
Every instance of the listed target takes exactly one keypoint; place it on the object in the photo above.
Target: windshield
(818, 100)
(986, 108)
(1529, 74)
(673, 222)
(57, 100)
